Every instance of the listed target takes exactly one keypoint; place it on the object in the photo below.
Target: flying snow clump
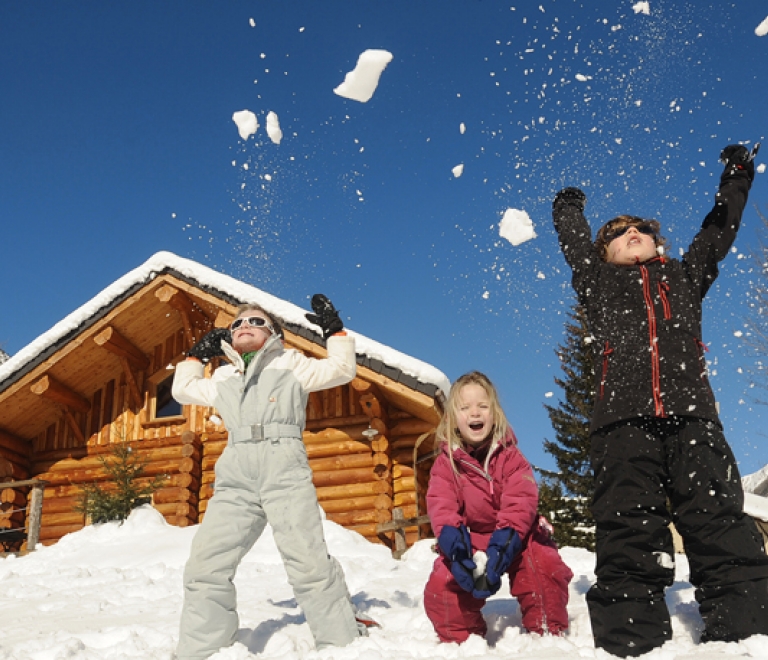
(247, 124)
(273, 128)
(762, 29)
(458, 170)
(516, 226)
(642, 8)
(360, 83)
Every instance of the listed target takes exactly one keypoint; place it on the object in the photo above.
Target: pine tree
(565, 495)
(103, 504)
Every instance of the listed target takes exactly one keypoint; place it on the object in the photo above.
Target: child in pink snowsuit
(482, 502)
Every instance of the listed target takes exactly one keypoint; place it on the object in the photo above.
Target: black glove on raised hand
(737, 157)
(325, 315)
(572, 196)
(210, 345)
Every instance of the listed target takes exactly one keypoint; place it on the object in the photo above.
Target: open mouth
(476, 426)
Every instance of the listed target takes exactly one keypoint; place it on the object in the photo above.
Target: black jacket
(646, 319)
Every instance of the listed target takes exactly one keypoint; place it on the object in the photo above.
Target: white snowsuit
(263, 476)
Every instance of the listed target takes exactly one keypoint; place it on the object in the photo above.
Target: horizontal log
(55, 532)
(10, 470)
(141, 456)
(53, 455)
(174, 494)
(411, 426)
(404, 498)
(336, 422)
(337, 448)
(99, 474)
(399, 471)
(347, 462)
(353, 490)
(61, 518)
(403, 484)
(354, 432)
(379, 502)
(61, 504)
(358, 517)
(12, 520)
(342, 477)
(214, 448)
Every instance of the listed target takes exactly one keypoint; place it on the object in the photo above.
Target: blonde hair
(602, 242)
(447, 429)
(253, 307)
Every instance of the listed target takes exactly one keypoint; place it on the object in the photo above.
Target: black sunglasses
(643, 228)
(255, 321)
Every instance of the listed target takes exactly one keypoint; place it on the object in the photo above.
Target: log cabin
(103, 375)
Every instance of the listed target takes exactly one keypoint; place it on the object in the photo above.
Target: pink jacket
(505, 496)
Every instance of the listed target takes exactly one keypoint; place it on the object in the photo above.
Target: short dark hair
(601, 241)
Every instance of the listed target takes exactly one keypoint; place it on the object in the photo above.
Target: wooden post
(398, 525)
(35, 515)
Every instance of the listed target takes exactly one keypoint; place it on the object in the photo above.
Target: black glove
(572, 196)
(325, 315)
(736, 157)
(210, 345)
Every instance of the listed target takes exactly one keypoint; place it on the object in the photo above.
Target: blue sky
(118, 142)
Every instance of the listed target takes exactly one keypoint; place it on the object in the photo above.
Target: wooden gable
(65, 409)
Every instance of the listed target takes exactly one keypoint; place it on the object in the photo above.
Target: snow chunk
(273, 128)
(458, 170)
(582, 78)
(642, 8)
(761, 166)
(516, 226)
(247, 124)
(462, 128)
(360, 84)
(762, 29)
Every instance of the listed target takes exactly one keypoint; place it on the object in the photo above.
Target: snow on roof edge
(206, 276)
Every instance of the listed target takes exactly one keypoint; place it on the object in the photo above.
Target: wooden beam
(52, 389)
(133, 388)
(115, 343)
(74, 426)
(192, 317)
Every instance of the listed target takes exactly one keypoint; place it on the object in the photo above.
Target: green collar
(247, 357)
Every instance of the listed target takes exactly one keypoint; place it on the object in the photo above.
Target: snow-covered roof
(382, 359)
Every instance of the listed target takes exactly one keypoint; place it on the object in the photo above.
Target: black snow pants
(649, 472)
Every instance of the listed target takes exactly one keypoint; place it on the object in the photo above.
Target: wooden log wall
(177, 460)
(13, 512)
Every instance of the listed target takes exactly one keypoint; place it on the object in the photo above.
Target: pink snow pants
(538, 579)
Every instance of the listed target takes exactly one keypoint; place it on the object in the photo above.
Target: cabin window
(162, 408)
(165, 404)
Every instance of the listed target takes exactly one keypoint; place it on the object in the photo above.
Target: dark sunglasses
(255, 321)
(643, 228)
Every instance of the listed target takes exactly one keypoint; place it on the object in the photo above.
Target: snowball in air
(762, 29)
(247, 124)
(360, 83)
(458, 170)
(642, 8)
(273, 128)
(516, 226)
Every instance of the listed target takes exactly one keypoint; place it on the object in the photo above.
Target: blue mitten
(456, 545)
(504, 546)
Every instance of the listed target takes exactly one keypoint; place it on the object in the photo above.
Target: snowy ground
(112, 591)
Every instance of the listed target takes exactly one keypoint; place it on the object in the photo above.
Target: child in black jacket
(657, 447)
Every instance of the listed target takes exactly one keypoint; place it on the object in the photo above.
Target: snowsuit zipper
(653, 339)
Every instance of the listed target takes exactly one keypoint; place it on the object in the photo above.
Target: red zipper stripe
(654, 340)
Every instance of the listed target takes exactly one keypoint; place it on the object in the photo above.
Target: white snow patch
(458, 170)
(462, 128)
(762, 29)
(516, 226)
(761, 168)
(642, 8)
(273, 128)
(247, 124)
(583, 78)
(360, 83)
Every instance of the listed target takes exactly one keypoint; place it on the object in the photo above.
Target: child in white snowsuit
(657, 447)
(263, 476)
